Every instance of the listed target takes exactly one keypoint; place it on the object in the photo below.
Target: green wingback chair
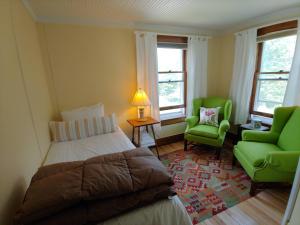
(206, 134)
(271, 156)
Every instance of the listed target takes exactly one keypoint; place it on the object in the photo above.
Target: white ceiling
(203, 14)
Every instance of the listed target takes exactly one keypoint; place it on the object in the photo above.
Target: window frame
(260, 32)
(181, 40)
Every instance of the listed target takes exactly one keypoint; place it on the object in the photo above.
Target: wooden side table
(138, 124)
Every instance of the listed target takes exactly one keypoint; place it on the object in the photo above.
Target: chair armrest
(260, 136)
(191, 121)
(283, 160)
(224, 127)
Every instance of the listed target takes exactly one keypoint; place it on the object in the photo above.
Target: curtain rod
(172, 34)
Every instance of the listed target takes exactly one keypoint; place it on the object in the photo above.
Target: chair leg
(253, 188)
(185, 144)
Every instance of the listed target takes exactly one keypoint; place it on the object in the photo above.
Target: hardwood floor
(266, 208)
(165, 149)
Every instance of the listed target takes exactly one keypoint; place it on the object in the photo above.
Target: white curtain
(196, 70)
(147, 78)
(292, 94)
(243, 72)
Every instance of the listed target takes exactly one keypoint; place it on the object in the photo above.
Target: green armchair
(206, 134)
(271, 156)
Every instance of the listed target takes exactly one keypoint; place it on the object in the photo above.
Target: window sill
(172, 118)
(265, 120)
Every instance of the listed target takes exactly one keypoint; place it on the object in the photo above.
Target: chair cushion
(255, 152)
(289, 138)
(205, 131)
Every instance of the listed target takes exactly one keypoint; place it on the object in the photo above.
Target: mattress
(165, 212)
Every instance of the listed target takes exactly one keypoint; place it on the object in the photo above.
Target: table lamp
(140, 100)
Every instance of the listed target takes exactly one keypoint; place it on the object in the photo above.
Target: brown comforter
(86, 192)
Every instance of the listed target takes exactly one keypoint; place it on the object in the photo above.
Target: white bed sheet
(88, 147)
(165, 212)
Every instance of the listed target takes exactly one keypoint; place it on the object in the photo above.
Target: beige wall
(90, 65)
(226, 52)
(35, 79)
(220, 65)
(213, 65)
(25, 106)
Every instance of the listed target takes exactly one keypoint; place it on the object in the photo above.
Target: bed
(165, 212)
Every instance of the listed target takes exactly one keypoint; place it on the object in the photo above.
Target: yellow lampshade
(140, 98)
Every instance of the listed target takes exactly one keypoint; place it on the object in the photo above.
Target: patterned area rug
(206, 186)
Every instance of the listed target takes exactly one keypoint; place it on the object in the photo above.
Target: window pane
(278, 54)
(169, 59)
(170, 77)
(171, 94)
(269, 95)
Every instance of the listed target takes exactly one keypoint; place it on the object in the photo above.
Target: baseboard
(170, 139)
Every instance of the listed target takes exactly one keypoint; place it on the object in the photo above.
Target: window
(171, 56)
(275, 51)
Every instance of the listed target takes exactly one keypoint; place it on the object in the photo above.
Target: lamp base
(141, 115)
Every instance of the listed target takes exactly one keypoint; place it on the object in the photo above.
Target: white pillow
(95, 110)
(82, 128)
(209, 116)
(83, 112)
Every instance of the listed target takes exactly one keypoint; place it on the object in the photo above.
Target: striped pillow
(83, 128)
